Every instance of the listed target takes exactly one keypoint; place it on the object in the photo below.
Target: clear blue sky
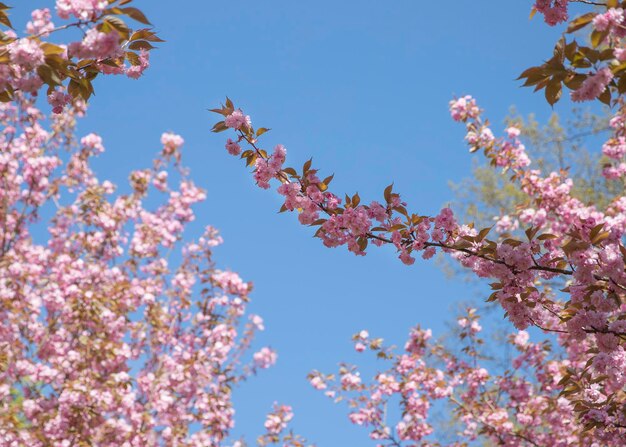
(363, 87)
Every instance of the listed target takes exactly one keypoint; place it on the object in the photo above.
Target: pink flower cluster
(135, 71)
(593, 86)
(237, 120)
(26, 53)
(58, 100)
(107, 340)
(554, 11)
(265, 170)
(233, 147)
(34, 62)
(265, 358)
(464, 108)
(509, 408)
(171, 142)
(614, 17)
(41, 23)
(615, 149)
(81, 9)
(96, 45)
(565, 239)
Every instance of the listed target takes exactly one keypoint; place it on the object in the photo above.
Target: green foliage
(554, 146)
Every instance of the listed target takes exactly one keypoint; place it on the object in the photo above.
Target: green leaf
(49, 75)
(51, 49)
(141, 45)
(596, 230)
(6, 96)
(133, 58)
(73, 88)
(387, 193)
(251, 160)
(570, 50)
(307, 166)
(531, 232)
(546, 236)
(4, 19)
(621, 84)
(483, 234)
(145, 34)
(605, 97)
(532, 72)
(110, 23)
(600, 237)
(553, 91)
(559, 50)
(574, 82)
(219, 127)
(135, 14)
(512, 242)
(597, 37)
(362, 241)
(580, 22)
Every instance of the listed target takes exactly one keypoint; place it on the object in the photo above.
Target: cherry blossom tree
(517, 406)
(564, 240)
(116, 330)
(110, 339)
(563, 142)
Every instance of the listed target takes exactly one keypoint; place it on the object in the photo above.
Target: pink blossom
(615, 148)
(233, 147)
(26, 53)
(40, 23)
(278, 419)
(135, 71)
(318, 383)
(350, 381)
(506, 223)
(81, 9)
(463, 108)
(593, 86)
(171, 142)
(237, 120)
(58, 100)
(429, 253)
(554, 11)
(620, 54)
(92, 142)
(521, 339)
(265, 358)
(230, 282)
(614, 172)
(97, 45)
(613, 17)
(257, 321)
(513, 132)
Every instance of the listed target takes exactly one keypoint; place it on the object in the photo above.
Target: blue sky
(362, 87)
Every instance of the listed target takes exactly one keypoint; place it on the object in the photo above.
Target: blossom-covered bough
(114, 331)
(106, 45)
(575, 244)
(519, 406)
